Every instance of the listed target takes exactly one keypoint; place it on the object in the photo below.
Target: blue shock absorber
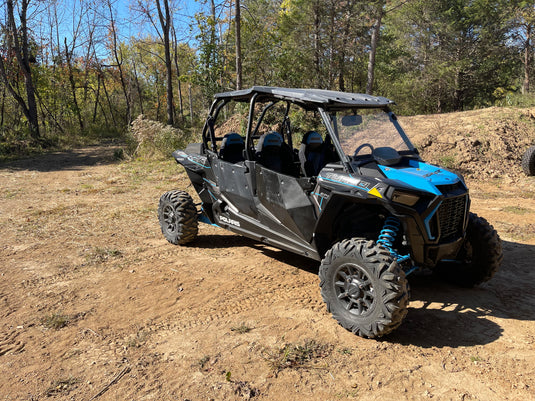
(388, 235)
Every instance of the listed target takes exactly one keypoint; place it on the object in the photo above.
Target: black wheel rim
(354, 289)
(170, 218)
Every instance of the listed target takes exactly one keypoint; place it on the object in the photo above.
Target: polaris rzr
(332, 176)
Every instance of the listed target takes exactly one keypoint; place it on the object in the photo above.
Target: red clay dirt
(96, 305)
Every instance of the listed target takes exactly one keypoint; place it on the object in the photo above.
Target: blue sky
(129, 22)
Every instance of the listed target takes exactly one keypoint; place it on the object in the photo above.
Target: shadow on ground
(68, 160)
(231, 240)
(440, 314)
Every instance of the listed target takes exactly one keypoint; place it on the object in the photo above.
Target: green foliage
(210, 67)
(55, 321)
(447, 55)
(432, 56)
(241, 329)
(62, 386)
(294, 356)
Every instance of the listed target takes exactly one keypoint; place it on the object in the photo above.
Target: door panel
(235, 187)
(285, 199)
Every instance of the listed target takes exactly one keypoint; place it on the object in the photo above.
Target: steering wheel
(364, 145)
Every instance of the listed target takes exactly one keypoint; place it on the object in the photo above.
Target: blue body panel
(421, 176)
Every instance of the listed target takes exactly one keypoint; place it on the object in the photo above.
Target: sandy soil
(95, 304)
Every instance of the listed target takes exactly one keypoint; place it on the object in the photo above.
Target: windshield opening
(374, 127)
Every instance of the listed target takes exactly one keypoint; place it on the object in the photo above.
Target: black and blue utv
(332, 176)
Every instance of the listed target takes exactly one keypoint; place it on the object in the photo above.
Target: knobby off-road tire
(364, 287)
(178, 217)
(528, 161)
(479, 258)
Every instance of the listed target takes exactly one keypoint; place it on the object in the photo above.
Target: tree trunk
(138, 87)
(97, 96)
(237, 21)
(108, 100)
(180, 101)
(373, 50)
(317, 50)
(73, 87)
(21, 48)
(190, 104)
(119, 62)
(527, 60)
(2, 109)
(165, 22)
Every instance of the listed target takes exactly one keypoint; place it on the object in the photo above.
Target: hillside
(482, 144)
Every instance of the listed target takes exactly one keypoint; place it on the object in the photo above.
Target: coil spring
(388, 235)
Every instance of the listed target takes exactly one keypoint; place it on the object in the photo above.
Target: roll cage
(324, 102)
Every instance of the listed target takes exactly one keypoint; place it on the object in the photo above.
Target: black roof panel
(307, 97)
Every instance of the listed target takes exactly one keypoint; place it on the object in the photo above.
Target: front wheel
(178, 217)
(479, 258)
(364, 287)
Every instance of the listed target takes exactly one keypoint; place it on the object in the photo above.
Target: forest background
(79, 71)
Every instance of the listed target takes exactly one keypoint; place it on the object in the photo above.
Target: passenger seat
(312, 154)
(268, 151)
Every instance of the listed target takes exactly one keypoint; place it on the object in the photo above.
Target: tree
(525, 21)
(373, 46)
(17, 41)
(447, 55)
(165, 22)
(237, 23)
(118, 58)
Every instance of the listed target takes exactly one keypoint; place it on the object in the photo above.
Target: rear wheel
(479, 258)
(178, 217)
(364, 288)
(528, 161)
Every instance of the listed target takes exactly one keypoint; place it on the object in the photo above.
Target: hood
(422, 176)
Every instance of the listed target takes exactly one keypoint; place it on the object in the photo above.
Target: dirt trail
(95, 304)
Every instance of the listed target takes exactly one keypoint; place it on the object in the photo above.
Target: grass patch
(137, 340)
(516, 210)
(295, 356)
(241, 329)
(61, 386)
(55, 321)
(448, 161)
(101, 255)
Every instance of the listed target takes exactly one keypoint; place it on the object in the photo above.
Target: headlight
(405, 198)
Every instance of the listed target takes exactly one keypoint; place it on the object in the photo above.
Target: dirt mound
(481, 144)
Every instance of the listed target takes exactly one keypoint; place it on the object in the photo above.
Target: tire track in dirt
(10, 344)
(6, 308)
(257, 288)
(40, 282)
(259, 291)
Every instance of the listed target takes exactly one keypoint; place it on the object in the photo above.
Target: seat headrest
(231, 139)
(312, 139)
(272, 139)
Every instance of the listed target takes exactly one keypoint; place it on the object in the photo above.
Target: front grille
(451, 217)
